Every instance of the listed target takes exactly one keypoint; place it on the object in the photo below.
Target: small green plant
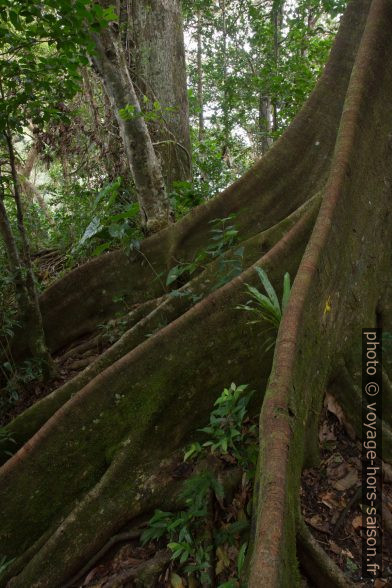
(191, 544)
(113, 224)
(185, 530)
(153, 111)
(4, 563)
(5, 439)
(223, 236)
(266, 308)
(226, 431)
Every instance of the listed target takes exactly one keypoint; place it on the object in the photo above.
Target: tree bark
(265, 123)
(110, 62)
(156, 56)
(200, 97)
(20, 265)
(99, 453)
(277, 17)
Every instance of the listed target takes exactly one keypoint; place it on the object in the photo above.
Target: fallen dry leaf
(317, 523)
(347, 482)
(332, 405)
(338, 472)
(357, 522)
(330, 500)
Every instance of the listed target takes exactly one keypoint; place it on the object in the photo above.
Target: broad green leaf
(268, 287)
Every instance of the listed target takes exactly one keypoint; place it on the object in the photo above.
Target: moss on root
(98, 459)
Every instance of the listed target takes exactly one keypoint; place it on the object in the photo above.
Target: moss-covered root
(156, 314)
(340, 281)
(318, 566)
(123, 493)
(152, 398)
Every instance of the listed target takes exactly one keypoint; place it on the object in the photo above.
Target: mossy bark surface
(96, 452)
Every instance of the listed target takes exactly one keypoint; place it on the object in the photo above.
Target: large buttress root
(342, 276)
(289, 174)
(97, 450)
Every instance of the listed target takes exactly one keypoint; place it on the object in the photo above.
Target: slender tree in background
(109, 59)
(154, 45)
(20, 265)
(143, 70)
(29, 85)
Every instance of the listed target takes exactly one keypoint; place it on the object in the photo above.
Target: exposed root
(164, 311)
(92, 343)
(144, 575)
(319, 567)
(127, 536)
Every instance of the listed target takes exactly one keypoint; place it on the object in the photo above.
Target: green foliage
(152, 111)
(17, 377)
(266, 308)
(253, 54)
(185, 196)
(113, 223)
(184, 530)
(223, 237)
(42, 45)
(4, 563)
(226, 431)
(187, 532)
(5, 439)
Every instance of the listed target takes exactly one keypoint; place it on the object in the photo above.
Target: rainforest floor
(330, 499)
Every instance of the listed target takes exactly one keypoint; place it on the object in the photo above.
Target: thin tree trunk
(226, 129)
(200, 98)
(277, 16)
(265, 123)
(26, 289)
(155, 50)
(111, 64)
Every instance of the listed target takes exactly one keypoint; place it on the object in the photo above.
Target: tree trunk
(277, 17)
(110, 62)
(20, 266)
(265, 123)
(28, 187)
(200, 97)
(225, 101)
(99, 449)
(156, 56)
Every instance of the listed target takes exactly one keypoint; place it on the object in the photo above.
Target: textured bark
(353, 284)
(110, 62)
(155, 49)
(28, 187)
(100, 454)
(265, 123)
(200, 93)
(20, 265)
